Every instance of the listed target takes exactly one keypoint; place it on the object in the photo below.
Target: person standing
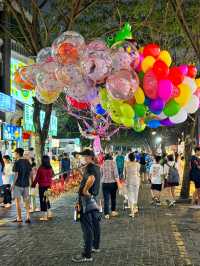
(20, 187)
(156, 172)
(65, 165)
(143, 167)
(172, 178)
(89, 210)
(7, 179)
(132, 174)
(2, 165)
(44, 179)
(195, 175)
(120, 164)
(109, 185)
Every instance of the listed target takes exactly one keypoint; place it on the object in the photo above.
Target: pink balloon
(165, 89)
(183, 69)
(141, 58)
(150, 85)
(122, 84)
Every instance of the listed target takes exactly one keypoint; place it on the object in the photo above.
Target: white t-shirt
(156, 172)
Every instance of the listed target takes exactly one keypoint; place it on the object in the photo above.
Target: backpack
(173, 175)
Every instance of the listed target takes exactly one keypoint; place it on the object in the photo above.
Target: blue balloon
(100, 110)
(153, 123)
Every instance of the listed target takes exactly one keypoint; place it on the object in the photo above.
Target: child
(156, 172)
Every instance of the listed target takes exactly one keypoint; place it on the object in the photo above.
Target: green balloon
(127, 122)
(140, 110)
(103, 94)
(127, 110)
(114, 107)
(171, 108)
(115, 118)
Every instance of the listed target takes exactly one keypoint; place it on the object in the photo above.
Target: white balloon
(192, 105)
(180, 117)
(191, 83)
(162, 116)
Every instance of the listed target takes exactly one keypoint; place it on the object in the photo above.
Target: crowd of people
(125, 173)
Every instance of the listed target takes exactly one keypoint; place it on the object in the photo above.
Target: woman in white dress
(132, 173)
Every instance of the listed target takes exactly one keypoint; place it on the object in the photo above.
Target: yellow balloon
(127, 122)
(141, 49)
(185, 94)
(165, 57)
(115, 118)
(198, 82)
(139, 96)
(147, 63)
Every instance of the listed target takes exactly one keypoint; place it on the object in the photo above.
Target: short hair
(31, 149)
(157, 158)
(197, 148)
(108, 156)
(65, 154)
(20, 151)
(7, 157)
(170, 157)
(131, 157)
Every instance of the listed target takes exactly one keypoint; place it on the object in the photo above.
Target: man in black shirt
(20, 187)
(89, 216)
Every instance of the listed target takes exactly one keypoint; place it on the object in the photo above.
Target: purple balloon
(156, 105)
(166, 122)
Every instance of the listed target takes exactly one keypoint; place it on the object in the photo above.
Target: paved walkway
(157, 237)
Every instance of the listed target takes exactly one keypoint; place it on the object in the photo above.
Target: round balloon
(192, 71)
(151, 49)
(127, 122)
(100, 110)
(140, 110)
(171, 108)
(175, 75)
(166, 122)
(193, 105)
(150, 85)
(185, 94)
(156, 105)
(147, 63)
(183, 69)
(153, 124)
(121, 60)
(160, 69)
(122, 84)
(180, 117)
(138, 126)
(165, 57)
(139, 96)
(191, 83)
(44, 55)
(165, 89)
(78, 105)
(127, 110)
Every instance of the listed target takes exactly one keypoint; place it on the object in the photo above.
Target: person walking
(7, 180)
(44, 179)
(172, 178)
(20, 187)
(156, 173)
(2, 165)
(120, 164)
(33, 190)
(65, 165)
(143, 172)
(132, 174)
(89, 210)
(109, 185)
(195, 175)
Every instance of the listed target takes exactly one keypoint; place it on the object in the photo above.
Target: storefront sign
(11, 132)
(28, 121)
(7, 103)
(23, 96)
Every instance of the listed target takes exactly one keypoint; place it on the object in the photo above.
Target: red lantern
(151, 49)
(160, 69)
(192, 71)
(78, 105)
(175, 75)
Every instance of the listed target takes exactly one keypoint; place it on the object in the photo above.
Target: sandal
(28, 221)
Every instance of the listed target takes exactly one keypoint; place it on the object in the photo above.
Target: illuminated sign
(23, 96)
(28, 121)
(7, 103)
(11, 132)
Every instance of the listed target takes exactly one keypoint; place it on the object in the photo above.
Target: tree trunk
(189, 143)
(41, 132)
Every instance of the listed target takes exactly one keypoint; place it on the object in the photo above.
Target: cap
(87, 152)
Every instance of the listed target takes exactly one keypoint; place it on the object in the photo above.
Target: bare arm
(15, 179)
(88, 185)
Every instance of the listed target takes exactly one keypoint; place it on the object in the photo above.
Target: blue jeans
(109, 191)
(120, 172)
(90, 225)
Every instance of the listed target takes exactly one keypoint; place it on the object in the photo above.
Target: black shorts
(197, 184)
(167, 184)
(157, 187)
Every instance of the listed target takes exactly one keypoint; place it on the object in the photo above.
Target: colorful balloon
(191, 83)
(78, 105)
(140, 110)
(44, 55)
(150, 85)
(193, 105)
(171, 108)
(166, 122)
(139, 96)
(185, 94)
(180, 117)
(175, 75)
(127, 110)
(156, 105)
(165, 57)
(165, 89)
(153, 124)
(100, 110)
(183, 69)
(192, 71)
(151, 49)
(127, 122)
(160, 69)
(121, 60)
(147, 63)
